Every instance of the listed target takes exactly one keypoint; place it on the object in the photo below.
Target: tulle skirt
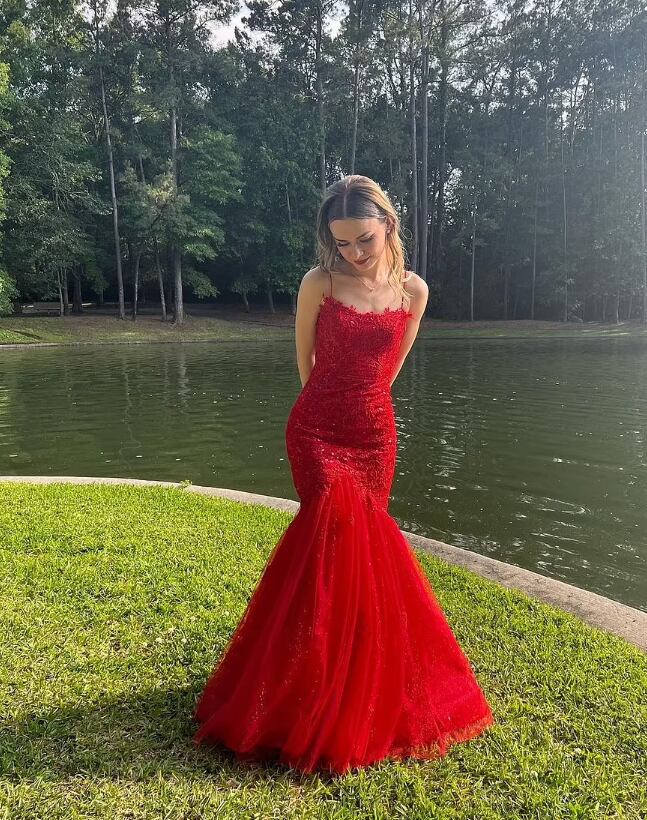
(343, 656)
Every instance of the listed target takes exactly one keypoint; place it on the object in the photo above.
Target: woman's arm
(309, 297)
(419, 291)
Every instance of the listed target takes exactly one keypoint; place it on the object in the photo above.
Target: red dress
(343, 656)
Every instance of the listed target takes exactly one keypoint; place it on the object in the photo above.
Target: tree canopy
(136, 155)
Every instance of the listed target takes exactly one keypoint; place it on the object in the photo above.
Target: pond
(532, 451)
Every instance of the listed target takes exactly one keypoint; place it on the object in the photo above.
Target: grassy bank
(116, 601)
(101, 329)
(223, 324)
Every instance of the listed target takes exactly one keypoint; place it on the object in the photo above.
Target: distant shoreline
(227, 323)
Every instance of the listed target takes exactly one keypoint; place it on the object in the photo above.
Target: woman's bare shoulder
(314, 276)
(416, 285)
(313, 284)
(418, 291)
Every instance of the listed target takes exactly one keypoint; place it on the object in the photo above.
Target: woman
(344, 656)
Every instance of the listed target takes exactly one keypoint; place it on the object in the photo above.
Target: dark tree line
(137, 159)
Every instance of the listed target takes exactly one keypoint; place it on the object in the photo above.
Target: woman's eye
(370, 239)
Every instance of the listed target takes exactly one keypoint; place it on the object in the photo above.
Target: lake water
(531, 451)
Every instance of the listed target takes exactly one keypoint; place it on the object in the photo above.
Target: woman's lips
(362, 261)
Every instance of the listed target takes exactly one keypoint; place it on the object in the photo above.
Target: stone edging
(596, 610)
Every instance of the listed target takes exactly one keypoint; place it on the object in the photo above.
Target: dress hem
(428, 751)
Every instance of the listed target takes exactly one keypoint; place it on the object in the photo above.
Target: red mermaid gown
(343, 656)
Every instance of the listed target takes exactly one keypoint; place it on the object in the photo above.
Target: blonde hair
(360, 197)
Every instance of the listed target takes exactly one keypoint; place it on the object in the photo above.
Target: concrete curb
(595, 610)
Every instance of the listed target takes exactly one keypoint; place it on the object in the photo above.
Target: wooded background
(138, 158)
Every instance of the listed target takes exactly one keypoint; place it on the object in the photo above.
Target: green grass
(97, 329)
(237, 325)
(116, 601)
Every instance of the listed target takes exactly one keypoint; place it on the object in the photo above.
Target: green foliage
(8, 293)
(535, 115)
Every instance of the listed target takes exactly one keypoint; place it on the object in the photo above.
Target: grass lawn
(228, 323)
(101, 329)
(115, 602)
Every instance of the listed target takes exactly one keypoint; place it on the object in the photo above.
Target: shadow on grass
(123, 738)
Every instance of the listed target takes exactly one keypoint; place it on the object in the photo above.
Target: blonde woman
(344, 656)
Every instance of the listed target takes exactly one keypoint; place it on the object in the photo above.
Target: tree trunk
(111, 169)
(61, 303)
(437, 251)
(113, 197)
(533, 282)
(512, 171)
(160, 280)
(414, 149)
(66, 297)
(353, 147)
(138, 254)
(564, 218)
(473, 257)
(77, 302)
(178, 299)
(424, 174)
(320, 104)
(516, 302)
(178, 316)
(459, 295)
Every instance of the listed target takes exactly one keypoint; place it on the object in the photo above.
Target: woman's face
(361, 242)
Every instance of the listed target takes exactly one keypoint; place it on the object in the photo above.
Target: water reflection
(531, 451)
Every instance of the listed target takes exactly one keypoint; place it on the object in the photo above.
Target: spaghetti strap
(330, 274)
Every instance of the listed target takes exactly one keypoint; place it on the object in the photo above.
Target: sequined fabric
(343, 419)
(343, 656)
